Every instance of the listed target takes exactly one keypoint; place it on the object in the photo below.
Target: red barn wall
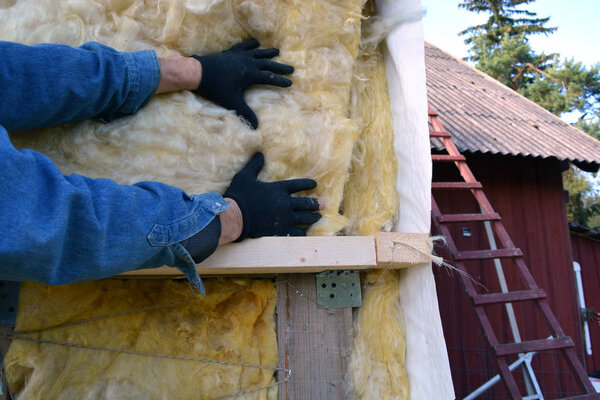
(586, 252)
(529, 196)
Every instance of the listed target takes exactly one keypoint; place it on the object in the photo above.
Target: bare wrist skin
(231, 223)
(178, 73)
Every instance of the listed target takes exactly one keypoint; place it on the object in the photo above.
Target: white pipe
(530, 380)
(503, 286)
(581, 298)
(481, 389)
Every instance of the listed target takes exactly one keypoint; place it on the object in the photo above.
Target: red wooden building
(586, 253)
(517, 150)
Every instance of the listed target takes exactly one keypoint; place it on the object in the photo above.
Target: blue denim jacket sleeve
(58, 229)
(49, 84)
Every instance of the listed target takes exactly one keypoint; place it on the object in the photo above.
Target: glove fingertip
(285, 82)
(246, 113)
(310, 184)
(255, 164)
(247, 45)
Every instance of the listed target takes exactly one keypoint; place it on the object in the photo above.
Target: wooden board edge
(273, 255)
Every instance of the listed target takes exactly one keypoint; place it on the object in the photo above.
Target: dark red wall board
(586, 252)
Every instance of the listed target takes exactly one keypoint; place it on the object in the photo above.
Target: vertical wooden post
(314, 343)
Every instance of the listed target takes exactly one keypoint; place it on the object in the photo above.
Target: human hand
(268, 208)
(231, 222)
(227, 75)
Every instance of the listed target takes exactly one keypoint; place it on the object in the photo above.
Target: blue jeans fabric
(59, 229)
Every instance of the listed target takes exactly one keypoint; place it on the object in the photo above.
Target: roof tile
(486, 116)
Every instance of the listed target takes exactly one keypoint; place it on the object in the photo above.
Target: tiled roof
(486, 116)
(583, 231)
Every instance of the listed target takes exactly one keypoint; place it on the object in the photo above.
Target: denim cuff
(143, 73)
(207, 207)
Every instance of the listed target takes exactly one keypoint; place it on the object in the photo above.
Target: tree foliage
(500, 48)
(566, 86)
(583, 207)
(506, 19)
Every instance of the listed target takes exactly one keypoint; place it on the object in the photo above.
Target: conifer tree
(506, 19)
(500, 48)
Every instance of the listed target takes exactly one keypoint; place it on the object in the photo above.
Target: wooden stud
(273, 255)
(314, 343)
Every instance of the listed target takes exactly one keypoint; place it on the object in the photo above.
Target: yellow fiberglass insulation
(335, 115)
(234, 323)
(376, 369)
(180, 138)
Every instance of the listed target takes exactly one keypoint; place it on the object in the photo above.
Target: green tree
(591, 126)
(583, 207)
(511, 61)
(566, 86)
(500, 48)
(506, 19)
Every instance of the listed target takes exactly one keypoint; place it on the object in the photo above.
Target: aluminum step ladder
(507, 250)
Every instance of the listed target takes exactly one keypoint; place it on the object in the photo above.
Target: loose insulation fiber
(376, 369)
(335, 115)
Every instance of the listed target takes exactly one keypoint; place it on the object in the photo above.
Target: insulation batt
(376, 369)
(180, 138)
(335, 115)
(234, 322)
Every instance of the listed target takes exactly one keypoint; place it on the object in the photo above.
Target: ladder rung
(447, 158)
(533, 345)
(443, 134)
(487, 254)
(509, 297)
(456, 185)
(469, 217)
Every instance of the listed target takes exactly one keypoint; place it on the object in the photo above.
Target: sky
(578, 23)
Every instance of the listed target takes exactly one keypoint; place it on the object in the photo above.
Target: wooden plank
(487, 254)
(594, 396)
(577, 369)
(400, 250)
(439, 134)
(314, 343)
(455, 185)
(508, 379)
(447, 158)
(469, 217)
(533, 345)
(272, 255)
(510, 297)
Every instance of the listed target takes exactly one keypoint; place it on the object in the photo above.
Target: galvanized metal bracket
(338, 289)
(9, 299)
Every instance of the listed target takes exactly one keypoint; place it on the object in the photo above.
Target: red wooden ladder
(507, 249)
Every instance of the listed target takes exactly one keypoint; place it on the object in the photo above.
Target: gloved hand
(268, 209)
(227, 75)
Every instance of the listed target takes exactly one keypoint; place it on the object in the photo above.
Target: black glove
(268, 209)
(227, 75)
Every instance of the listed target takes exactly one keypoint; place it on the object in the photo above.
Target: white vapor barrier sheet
(427, 362)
